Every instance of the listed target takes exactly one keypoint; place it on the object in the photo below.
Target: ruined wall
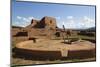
(45, 27)
(38, 53)
(48, 22)
(33, 24)
(45, 22)
(81, 53)
(55, 54)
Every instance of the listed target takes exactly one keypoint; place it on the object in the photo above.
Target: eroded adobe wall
(48, 22)
(38, 53)
(55, 54)
(81, 53)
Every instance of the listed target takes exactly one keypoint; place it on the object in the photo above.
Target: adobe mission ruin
(42, 38)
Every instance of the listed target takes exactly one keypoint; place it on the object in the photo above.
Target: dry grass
(20, 61)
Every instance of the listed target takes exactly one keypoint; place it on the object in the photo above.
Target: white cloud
(81, 22)
(70, 17)
(88, 20)
(30, 18)
(23, 21)
(18, 17)
(26, 19)
(58, 18)
(69, 22)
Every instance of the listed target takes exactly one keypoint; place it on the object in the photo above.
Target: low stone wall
(38, 53)
(81, 53)
(54, 54)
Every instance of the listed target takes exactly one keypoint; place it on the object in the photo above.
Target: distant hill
(16, 27)
(92, 29)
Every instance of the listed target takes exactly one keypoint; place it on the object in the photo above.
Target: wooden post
(62, 34)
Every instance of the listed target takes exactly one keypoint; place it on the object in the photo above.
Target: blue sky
(72, 16)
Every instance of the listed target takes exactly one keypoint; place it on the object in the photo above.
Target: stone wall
(81, 53)
(45, 22)
(38, 53)
(55, 54)
(48, 22)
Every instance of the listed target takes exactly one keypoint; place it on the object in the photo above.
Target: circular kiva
(56, 48)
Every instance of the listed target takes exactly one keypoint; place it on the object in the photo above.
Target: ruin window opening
(50, 21)
(57, 34)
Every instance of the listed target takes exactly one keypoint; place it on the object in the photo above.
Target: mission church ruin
(46, 28)
(40, 35)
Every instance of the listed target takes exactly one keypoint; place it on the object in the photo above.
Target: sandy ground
(55, 45)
